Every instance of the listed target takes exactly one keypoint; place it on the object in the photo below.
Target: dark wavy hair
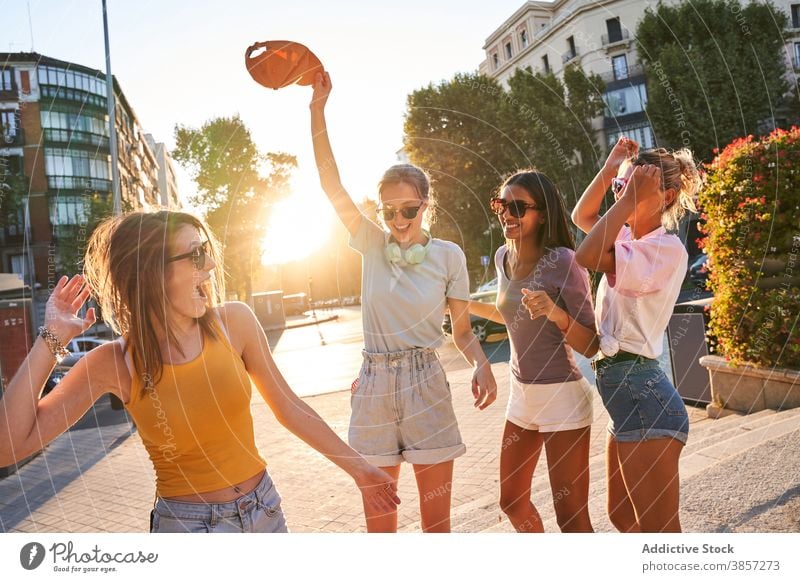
(555, 231)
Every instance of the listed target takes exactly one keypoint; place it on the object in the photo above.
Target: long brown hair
(555, 231)
(125, 265)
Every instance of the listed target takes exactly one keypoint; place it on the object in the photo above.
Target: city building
(599, 35)
(167, 182)
(55, 136)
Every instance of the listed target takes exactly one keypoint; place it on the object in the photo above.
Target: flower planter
(749, 389)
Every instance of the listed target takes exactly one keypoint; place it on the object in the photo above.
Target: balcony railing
(17, 138)
(78, 183)
(75, 137)
(610, 39)
(569, 56)
(55, 92)
(634, 70)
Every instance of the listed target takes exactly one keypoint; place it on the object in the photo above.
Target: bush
(750, 204)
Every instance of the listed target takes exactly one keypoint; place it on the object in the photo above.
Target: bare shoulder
(239, 320)
(106, 368)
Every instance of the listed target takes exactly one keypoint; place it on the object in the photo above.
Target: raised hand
(322, 89)
(624, 149)
(644, 184)
(61, 311)
(378, 489)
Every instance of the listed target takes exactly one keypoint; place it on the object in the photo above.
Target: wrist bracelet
(53, 344)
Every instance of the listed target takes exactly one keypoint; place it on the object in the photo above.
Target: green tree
(715, 71)
(470, 133)
(236, 186)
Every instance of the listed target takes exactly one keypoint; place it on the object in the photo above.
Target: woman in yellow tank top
(184, 367)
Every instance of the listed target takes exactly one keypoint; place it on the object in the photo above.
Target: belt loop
(214, 514)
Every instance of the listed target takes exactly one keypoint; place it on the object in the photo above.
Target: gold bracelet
(56, 348)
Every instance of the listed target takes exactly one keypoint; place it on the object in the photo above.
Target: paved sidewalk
(100, 478)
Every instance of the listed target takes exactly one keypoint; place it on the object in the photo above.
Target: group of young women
(185, 360)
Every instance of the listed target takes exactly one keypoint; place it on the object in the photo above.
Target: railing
(78, 183)
(634, 70)
(55, 92)
(12, 139)
(568, 56)
(623, 36)
(75, 137)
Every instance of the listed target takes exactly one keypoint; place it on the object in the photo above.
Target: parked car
(295, 304)
(78, 348)
(698, 271)
(490, 286)
(482, 328)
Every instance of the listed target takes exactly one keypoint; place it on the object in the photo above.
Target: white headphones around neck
(413, 255)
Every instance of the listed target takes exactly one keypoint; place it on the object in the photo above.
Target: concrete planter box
(749, 389)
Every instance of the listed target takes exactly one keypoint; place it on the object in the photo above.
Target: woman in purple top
(545, 301)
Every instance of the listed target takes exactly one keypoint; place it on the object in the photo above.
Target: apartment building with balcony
(55, 135)
(599, 35)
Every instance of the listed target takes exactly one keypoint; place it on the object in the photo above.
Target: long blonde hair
(125, 266)
(678, 172)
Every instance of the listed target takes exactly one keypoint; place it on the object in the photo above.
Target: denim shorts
(256, 512)
(403, 410)
(642, 402)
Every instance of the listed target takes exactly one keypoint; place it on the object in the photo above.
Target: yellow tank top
(196, 423)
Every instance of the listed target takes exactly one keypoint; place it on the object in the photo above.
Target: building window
(545, 64)
(509, 54)
(6, 79)
(70, 162)
(68, 210)
(17, 264)
(641, 134)
(620, 64)
(8, 126)
(626, 100)
(72, 80)
(614, 29)
(523, 38)
(795, 15)
(571, 46)
(495, 61)
(796, 55)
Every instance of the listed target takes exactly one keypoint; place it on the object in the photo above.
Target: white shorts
(550, 407)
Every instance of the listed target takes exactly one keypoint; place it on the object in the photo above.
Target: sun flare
(297, 227)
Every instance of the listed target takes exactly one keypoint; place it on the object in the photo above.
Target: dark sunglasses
(617, 184)
(517, 208)
(409, 213)
(198, 255)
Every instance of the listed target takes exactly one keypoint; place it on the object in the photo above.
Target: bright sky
(183, 62)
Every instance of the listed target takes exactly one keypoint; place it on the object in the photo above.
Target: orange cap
(282, 63)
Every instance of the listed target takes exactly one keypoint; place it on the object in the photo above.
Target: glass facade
(626, 100)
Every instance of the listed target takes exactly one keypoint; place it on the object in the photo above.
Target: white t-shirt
(635, 303)
(403, 307)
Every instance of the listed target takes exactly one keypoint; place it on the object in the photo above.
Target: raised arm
(377, 488)
(347, 210)
(27, 421)
(587, 211)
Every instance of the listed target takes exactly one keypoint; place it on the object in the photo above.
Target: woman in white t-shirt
(402, 407)
(644, 268)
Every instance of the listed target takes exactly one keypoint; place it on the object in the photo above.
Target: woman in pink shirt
(644, 268)
(546, 304)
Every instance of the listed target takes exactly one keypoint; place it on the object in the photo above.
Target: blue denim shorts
(642, 402)
(256, 512)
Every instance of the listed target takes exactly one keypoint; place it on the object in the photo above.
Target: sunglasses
(197, 254)
(617, 184)
(409, 213)
(517, 208)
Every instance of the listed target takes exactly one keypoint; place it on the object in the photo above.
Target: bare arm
(484, 386)
(486, 310)
(297, 416)
(587, 211)
(329, 178)
(597, 249)
(581, 338)
(28, 422)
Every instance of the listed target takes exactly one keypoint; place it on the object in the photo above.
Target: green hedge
(751, 204)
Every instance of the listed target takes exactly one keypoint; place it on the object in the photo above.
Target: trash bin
(686, 334)
(268, 307)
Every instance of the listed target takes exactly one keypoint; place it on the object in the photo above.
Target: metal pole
(112, 129)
